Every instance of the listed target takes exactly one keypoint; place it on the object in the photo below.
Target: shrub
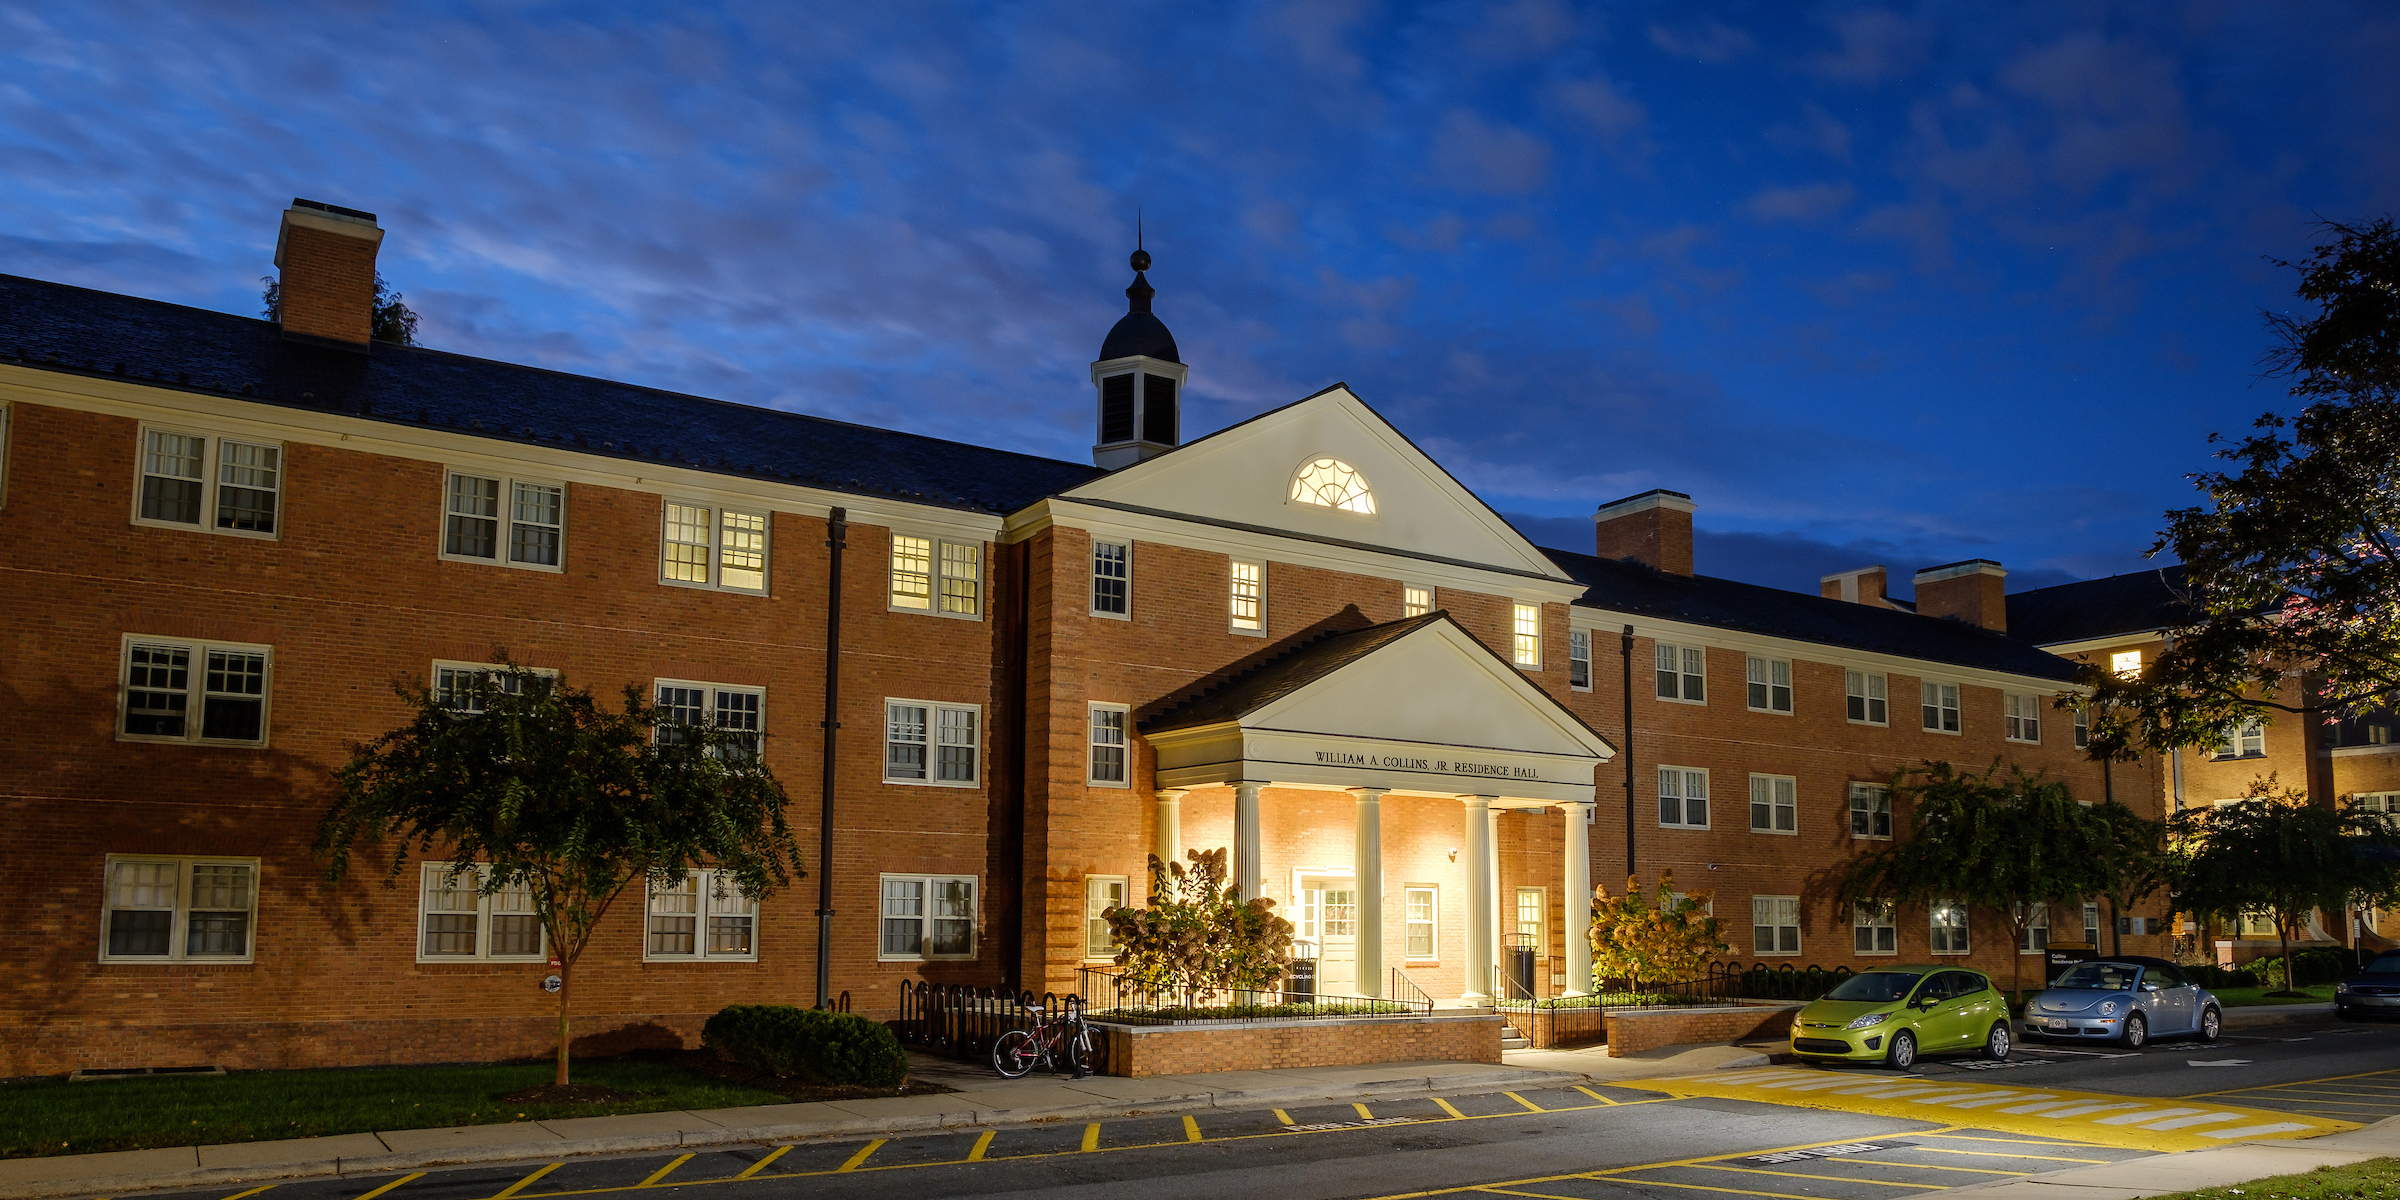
(825, 1047)
(1661, 938)
(1198, 935)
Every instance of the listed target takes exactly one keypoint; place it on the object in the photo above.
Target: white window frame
(2040, 923)
(2082, 724)
(212, 478)
(925, 916)
(1579, 659)
(178, 925)
(1935, 938)
(1432, 922)
(933, 742)
(434, 677)
(1234, 619)
(2125, 664)
(1124, 561)
(1411, 605)
(1093, 745)
(1758, 672)
(707, 907)
(1772, 907)
(1865, 690)
(1780, 795)
(714, 518)
(2024, 713)
(1871, 923)
(1943, 699)
(2247, 740)
(504, 521)
(1525, 635)
(485, 909)
(1682, 658)
(714, 707)
(1516, 912)
(195, 690)
(1877, 799)
(1093, 926)
(2091, 925)
(937, 573)
(1681, 785)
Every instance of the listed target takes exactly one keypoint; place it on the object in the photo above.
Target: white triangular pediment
(1244, 475)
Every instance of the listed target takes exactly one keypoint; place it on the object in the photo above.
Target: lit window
(460, 918)
(1775, 925)
(179, 909)
(1249, 598)
(2024, 717)
(714, 548)
(932, 575)
(705, 916)
(1871, 926)
(1949, 925)
(166, 682)
(1868, 699)
(736, 710)
(236, 487)
(1529, 915)
(1108, 745)
(1774, 807)
(2247, 740)
(2255, 923)
(1100, 894)
(515, 521)
(928, 916)
(1112, 579)
(1940, 704)
(1683, 797)
(2126, 664)
(962, 578)
(1770, 681)
(1332, 483)
(2037, 931)
(1682, 673)
(1420, 920)
(930, 743)
(1579, 659)
(1870, 810)
(1415, 601)
(912, 572)
(1526, 643)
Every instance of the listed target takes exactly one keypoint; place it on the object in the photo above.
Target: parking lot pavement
(2366, 1097)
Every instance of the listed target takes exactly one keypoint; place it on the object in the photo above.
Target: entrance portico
(1400, 719)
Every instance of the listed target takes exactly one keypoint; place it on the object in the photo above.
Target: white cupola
(1139, 378)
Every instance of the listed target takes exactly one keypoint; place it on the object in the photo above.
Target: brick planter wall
(1143, 1050)
(1631, 1032)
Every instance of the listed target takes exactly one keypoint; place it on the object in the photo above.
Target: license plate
(2058, 1024)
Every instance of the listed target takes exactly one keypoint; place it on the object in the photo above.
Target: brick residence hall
(1298, 637)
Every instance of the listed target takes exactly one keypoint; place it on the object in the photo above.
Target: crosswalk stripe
(2138, 1118)
(2251, 1130)
(1996, 1098)
(2085, 1110)
(2188, 1122)
(2014, 1109)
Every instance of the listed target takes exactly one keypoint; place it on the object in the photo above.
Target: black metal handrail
(1115, 1000)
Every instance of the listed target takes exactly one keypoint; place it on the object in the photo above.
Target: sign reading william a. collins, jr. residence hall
(1460, 766)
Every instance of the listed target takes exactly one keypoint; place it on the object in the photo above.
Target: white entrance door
(1329, 918)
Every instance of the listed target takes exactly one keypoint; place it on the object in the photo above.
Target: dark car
(2373, 992)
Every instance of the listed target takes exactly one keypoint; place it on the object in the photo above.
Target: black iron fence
(964, 1021)
(1113, 998)
(1733, 981)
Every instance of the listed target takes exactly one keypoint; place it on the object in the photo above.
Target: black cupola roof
(1139, 332)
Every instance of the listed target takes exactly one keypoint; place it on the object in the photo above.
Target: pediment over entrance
(1413, 706)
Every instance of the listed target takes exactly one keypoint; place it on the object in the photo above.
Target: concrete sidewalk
(2221, 1166)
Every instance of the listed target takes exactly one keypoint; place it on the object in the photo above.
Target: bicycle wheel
(1015, 1053)
(1076, 1051)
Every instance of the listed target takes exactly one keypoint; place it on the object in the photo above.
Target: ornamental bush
(1198, 935)
(1662, 940)
(823, 1047)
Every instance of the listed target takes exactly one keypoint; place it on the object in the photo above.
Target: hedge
(825, 1047)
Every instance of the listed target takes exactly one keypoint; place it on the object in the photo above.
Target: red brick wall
(1634, 1032)
(1140, 1051)
(328, 284)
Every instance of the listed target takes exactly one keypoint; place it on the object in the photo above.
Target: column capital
(1367, 793)
(1173, 793)
(1472, 798)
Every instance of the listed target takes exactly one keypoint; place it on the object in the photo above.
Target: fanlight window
(1334, 484)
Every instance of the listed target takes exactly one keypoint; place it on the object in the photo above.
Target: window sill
(1256, 633)
(2023, 741)
(1875, 954)
(1944, 732)
(927, 612)
(1109, 616)
(1691, 828)
(1869, 724)
(1774, 954)
(1680, 700)
(144, 740)
(924, 958)
(1770, 712)
(196, 527)
(696, 960)
(161, 960)
(932, 783)
(511, 564)
(691, 586)
(1776, 832)
(1870, 837)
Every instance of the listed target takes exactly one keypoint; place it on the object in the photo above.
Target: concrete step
(1514, 1043)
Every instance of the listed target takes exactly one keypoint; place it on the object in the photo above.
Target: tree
(1197, 934)
(2131, 858)
(531, 785)
(2291, 563)
(1661, 940)
(2002, 840)
(2275, 852)
(390, 321)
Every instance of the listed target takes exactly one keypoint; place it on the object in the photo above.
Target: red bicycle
(1063, 1041)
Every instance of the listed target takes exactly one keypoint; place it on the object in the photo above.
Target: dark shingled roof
(56, 327)
(1282, 675)
(1725, 604)
(2096, 608)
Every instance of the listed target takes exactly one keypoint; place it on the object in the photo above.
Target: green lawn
(2244, 997)
(2374, 1179)
(51, 1116)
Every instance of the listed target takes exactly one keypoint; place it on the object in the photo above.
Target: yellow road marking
(1998, 1154)
(1893, 1162)
(511, 1189)
(238, 1195)
(985, 1143)
(393, 1184)
(1363, 1114)
(1594, 1095)
(1930, 1187)
(1530, 1106)
(1284, 1118)
(663, 1172)
(1969, 1137)
(1191, 1130)
(861, 1156)
(1610, 1174)
(1702, 1187)
(1448, 1108)
(1091, 1137)
(761, 1164)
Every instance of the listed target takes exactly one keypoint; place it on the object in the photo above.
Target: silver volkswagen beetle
(2126, 999)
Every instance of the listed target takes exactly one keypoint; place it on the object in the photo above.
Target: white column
(1503, 912)
(1480, 915)
(1249, 868)
(1168, 845)
(1577, 909)
(1366, 859)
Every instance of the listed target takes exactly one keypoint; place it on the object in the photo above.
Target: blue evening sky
(1873, 284)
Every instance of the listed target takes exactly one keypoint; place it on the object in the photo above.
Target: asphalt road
(1603, 1142)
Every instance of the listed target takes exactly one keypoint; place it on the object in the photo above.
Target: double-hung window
(928, 916)
(2125, 664)
(2083, 728)
(2024, 717)
(1421, 919)
(1683, 797)
(739, 711)
(930, 743)
(1774, 804)
(2091, 925)
(459, 685)
(2247, 740)
(1682, 673)
(705, 916)
(1940, 704)
(200, 481)
(1770, 684)
(1112, 579)
(498, 519)
(1107, 765)
(1872, 929)
(1949, 927)
(1525, 640)
(1869, 697)
(2037, 931)
(459, 919)
(1415, 600)
(1248, 598)
(179, 909)
(1775, 925)
(936, 575)
(178, 691)
(1100, 894)
(1870, 810)
(1579, 659)
(720, 548)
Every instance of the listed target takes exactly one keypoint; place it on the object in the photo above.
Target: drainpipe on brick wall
(1627, 749)
(837, 530)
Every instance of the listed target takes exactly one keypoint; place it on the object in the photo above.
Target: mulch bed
(706, 1063)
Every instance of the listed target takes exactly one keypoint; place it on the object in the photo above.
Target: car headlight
(2341, 987)
(1870, 1021)
(2110, 1008)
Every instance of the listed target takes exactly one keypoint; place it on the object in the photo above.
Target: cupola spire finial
(1137, 297)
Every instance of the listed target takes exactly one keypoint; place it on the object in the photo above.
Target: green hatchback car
(1893, 1015)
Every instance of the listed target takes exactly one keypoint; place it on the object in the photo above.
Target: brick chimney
(1870, 586)
(1653, 529)
(1974, 591)
(327, 258)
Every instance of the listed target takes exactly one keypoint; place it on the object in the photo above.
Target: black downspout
(2108, 795)
(1627, 750)
(837, 530)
